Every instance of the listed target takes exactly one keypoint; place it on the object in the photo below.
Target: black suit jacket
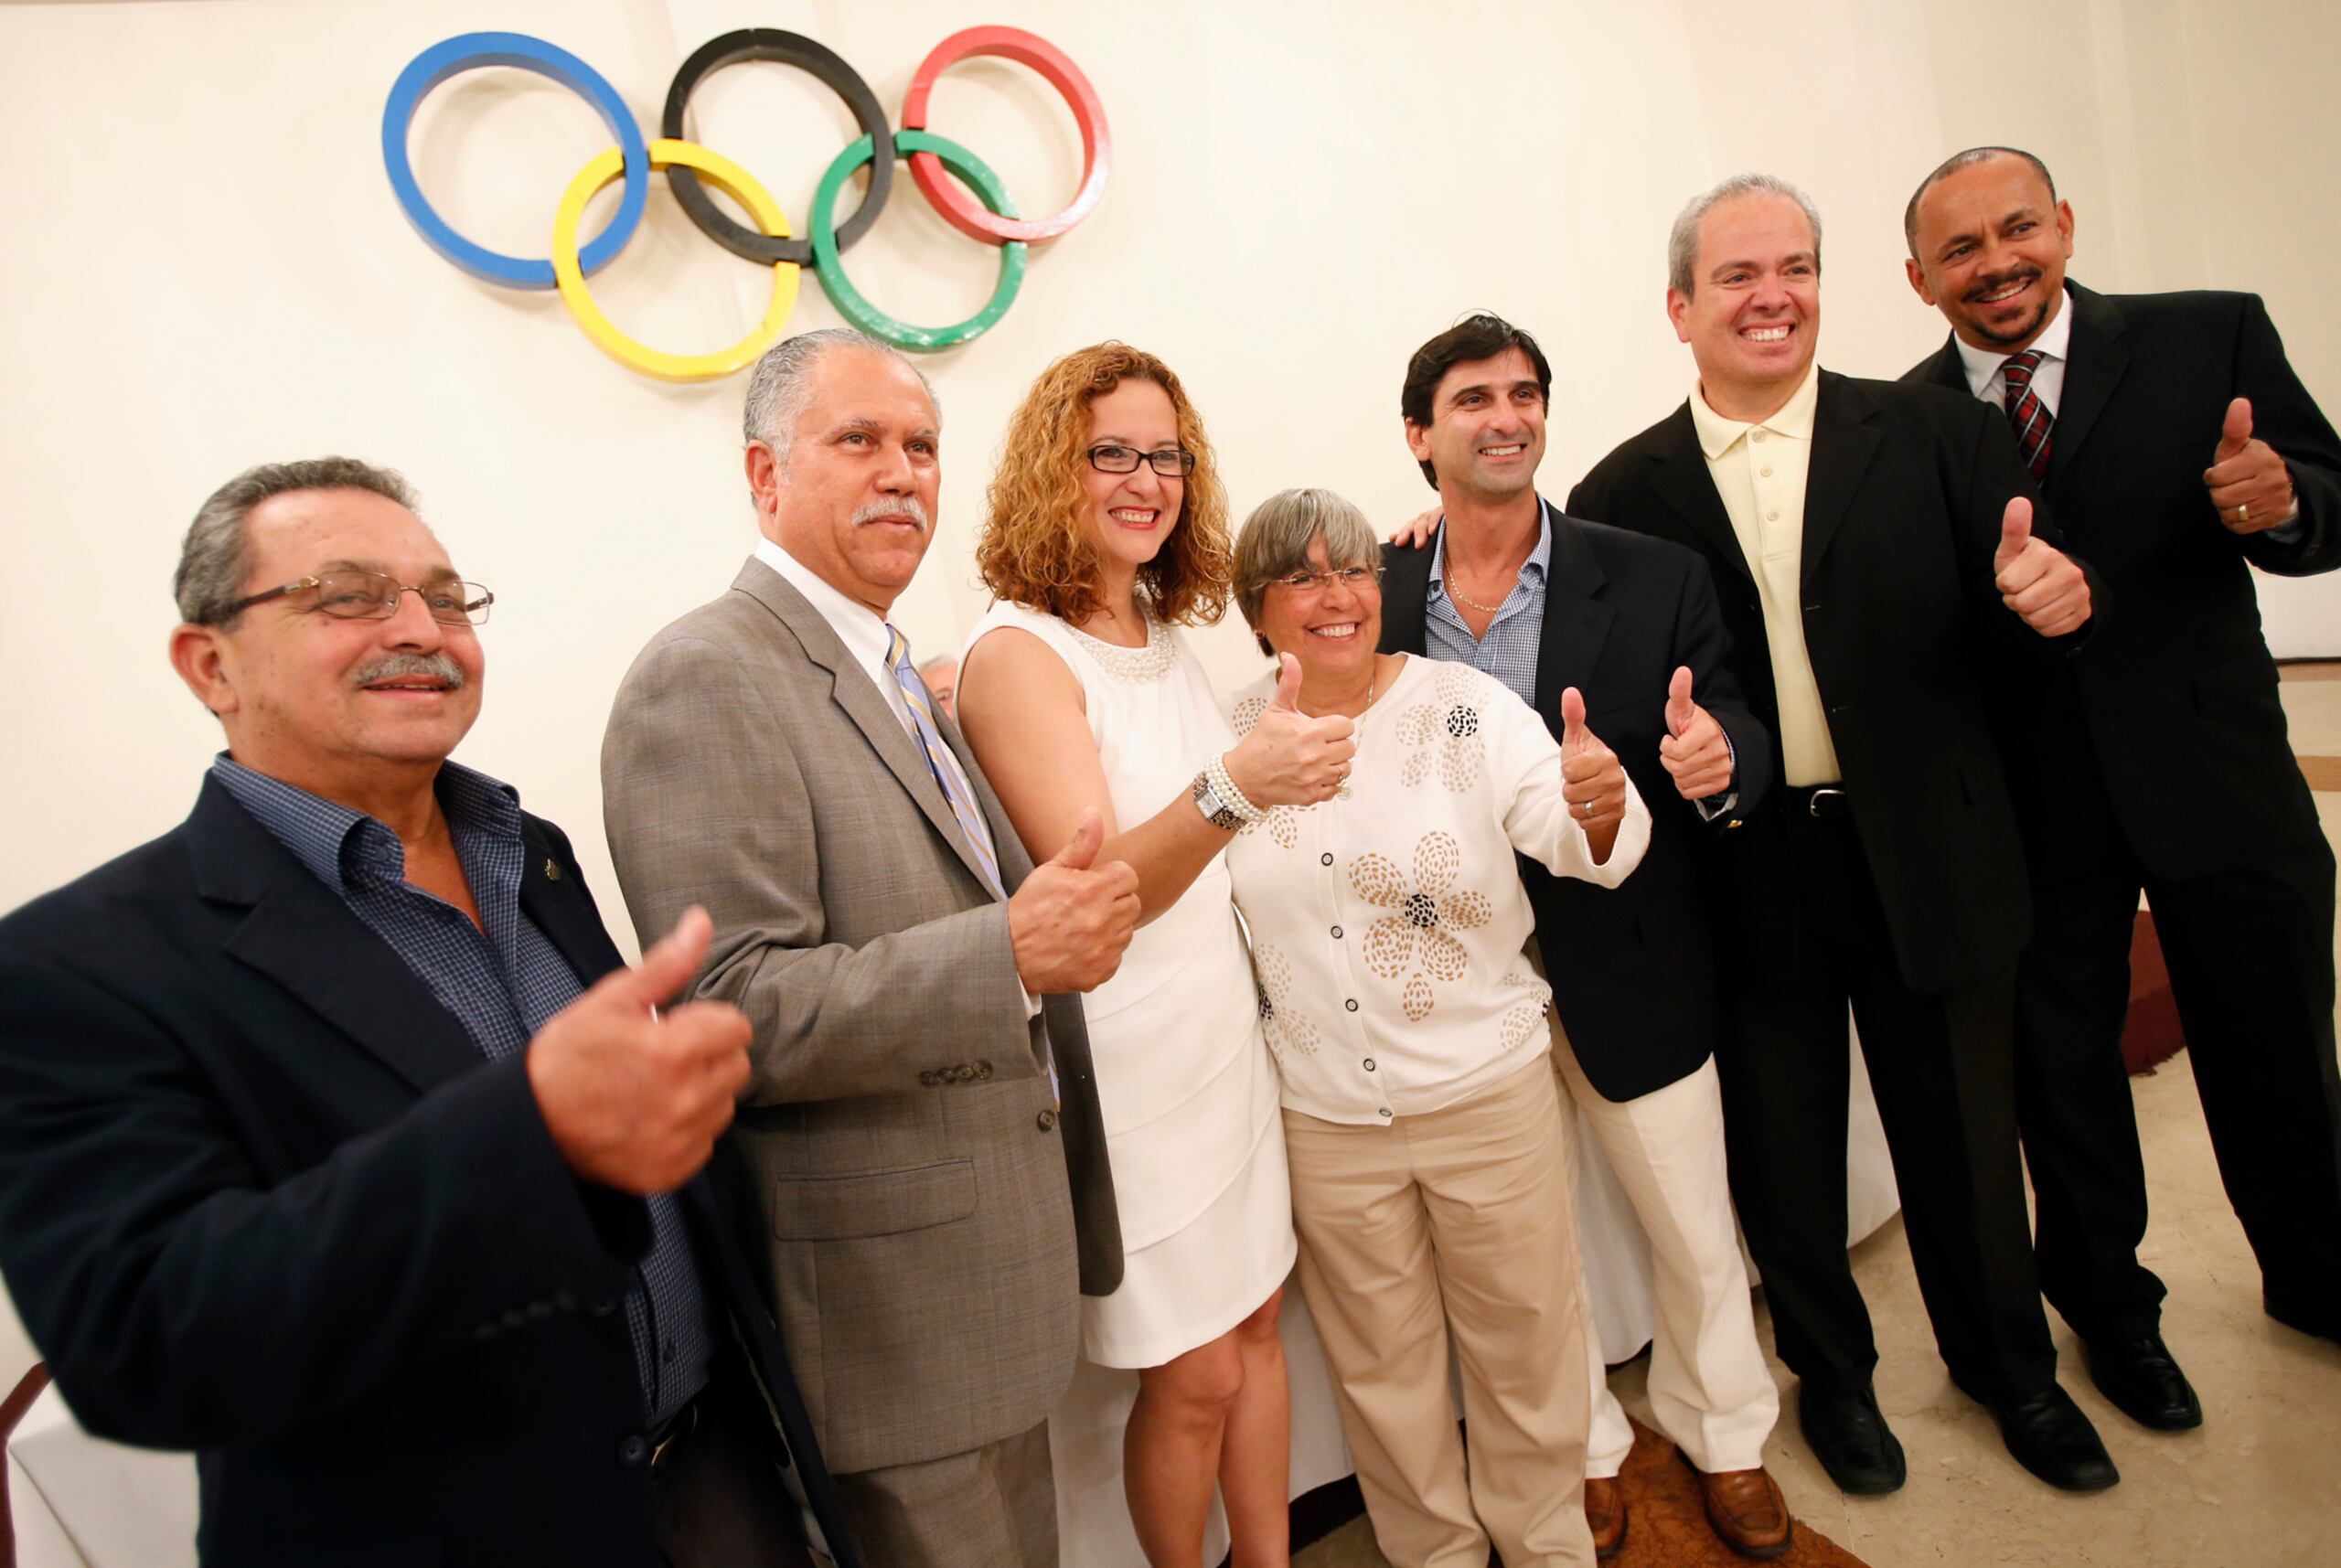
(263, 1197)
(2177, 693)
(1630, 966)
(1916, 659)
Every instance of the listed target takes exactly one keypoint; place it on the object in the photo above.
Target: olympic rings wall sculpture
(943, 170)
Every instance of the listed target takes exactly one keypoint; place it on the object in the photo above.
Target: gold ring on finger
(2242, 513)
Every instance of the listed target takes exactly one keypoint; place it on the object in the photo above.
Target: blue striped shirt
(502, 979)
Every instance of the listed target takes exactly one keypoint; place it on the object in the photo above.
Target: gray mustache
(393, 667)
(910, 506)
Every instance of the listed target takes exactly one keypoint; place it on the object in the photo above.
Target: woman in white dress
(1107, 529)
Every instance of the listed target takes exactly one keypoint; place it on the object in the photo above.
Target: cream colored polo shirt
(1759, 471)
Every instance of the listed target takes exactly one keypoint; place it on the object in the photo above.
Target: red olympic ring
(966, 214)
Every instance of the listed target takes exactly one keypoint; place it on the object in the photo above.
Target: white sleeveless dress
(1188, 1093)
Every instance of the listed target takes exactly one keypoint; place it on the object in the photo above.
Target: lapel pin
(552, 869)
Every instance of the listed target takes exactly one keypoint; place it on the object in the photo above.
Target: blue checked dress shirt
(1509, 650)
(501, 982)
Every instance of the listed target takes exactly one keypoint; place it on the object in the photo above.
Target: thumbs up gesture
(2249, 486)
(1070, 920)
(1290, 759)
(1694, 751)
(2040, 583)
(635, 1099)
(1593, 782)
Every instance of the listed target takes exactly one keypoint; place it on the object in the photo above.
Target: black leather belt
(1822, 801)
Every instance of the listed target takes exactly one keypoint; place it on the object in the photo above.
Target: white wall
(204, 268)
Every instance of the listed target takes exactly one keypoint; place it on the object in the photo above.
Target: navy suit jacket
(1631, 970)
(263, 1197)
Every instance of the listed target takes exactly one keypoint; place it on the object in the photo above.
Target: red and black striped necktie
(2028, 415)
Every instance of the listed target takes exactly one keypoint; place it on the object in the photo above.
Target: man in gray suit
(921, 1123)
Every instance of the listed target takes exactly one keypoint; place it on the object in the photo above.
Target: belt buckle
(685, 1423)
(1812, 801)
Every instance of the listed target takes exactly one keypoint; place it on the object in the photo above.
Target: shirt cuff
(1715, 805)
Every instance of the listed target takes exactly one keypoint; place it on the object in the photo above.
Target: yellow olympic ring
(570, 278)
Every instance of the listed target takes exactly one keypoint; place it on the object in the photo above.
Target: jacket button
(926, 1079)
(602, 1305)
(983, 1070)
(516, 1319)
(1045, 1120)
(635, 1450)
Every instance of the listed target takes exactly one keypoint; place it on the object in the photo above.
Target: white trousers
(1710, 1391)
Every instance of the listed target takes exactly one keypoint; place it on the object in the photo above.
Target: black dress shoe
(2049, 1436)
(1849, 1436)
(2144, 1384)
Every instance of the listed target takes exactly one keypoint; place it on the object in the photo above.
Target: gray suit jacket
(932, 1220)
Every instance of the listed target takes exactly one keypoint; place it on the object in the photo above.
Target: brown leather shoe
(1744, 1506)
(1605, 1514)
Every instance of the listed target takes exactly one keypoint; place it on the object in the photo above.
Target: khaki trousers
(994, 1506)
(1454, 1226)
(1709, 1388)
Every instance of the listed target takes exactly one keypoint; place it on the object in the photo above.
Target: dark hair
(1477, 336)
(1952, 166)
(216, 557)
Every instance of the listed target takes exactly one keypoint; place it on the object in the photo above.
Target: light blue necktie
(938, 758)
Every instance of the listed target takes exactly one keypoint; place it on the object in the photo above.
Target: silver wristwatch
(1216, 812)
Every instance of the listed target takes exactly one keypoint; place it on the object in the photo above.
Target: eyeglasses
(352, 595)
(1170, 462)
(1357, 579)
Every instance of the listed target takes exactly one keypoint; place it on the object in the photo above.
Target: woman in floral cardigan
(1430, 1162)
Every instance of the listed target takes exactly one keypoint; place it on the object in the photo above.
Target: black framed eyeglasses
(1170, 462)
(1353, 578)
(353, 595)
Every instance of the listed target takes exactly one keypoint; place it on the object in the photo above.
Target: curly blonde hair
(1037, 546)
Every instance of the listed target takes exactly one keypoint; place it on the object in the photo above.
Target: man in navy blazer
(1631, 625)
(2179, 450)
(337, 1145)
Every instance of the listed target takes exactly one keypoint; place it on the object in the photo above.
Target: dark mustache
(2002, 279)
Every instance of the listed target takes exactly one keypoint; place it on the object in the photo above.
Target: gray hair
(1275, 543)
(781, 383)
(217, 555)
(1682, 243)
(1952, 166)
(937, 662)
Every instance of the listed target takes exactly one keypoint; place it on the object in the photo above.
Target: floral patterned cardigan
(1387, 925)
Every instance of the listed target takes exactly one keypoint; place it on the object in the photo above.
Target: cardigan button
(1369, 1064)
(1351, 1004)
(1337, 934)
(1325, 859)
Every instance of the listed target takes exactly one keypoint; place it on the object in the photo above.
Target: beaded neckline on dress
(1134, 666)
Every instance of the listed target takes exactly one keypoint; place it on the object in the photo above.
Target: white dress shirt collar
(861, 629)
(1982, 364)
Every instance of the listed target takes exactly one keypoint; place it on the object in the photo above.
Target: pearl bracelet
(1229, 795)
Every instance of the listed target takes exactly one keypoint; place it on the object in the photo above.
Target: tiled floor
(2259, 1486)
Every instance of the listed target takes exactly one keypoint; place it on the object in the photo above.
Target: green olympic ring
(849, 300)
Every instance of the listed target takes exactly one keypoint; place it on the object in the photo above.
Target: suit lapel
(1576, 623)
(303, 936)
(1843, 445)
(1679, 475)
(1945, 369)
(2094, 363)
(554, 905)
(857, 693)
(1406, 593)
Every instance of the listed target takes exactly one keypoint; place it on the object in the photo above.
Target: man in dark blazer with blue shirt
(2179, 450)
(1546, 604)
(337, 1145)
